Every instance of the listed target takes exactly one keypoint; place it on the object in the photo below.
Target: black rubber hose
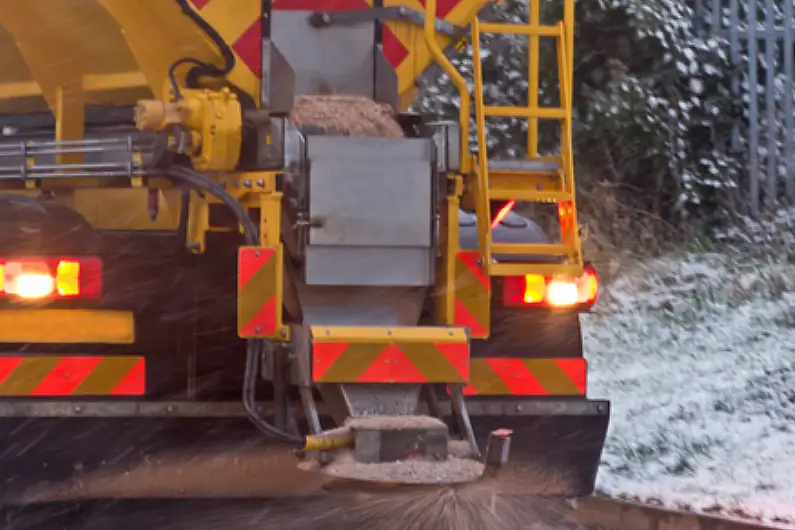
(254, 347)
(226, 51)
(202, 68)
(172, 79)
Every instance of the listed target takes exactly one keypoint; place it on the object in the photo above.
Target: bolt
(261, 183)
(389, 332)
(247, 183)
(327, 332)
(78, 409)
(600, 408)
(170, 409)
(256, 254)
(257, 329)
(283, 332)
(519, 408)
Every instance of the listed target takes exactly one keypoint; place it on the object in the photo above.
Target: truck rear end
(212, 215)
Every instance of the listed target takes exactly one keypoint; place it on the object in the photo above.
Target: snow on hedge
(654, 111)
(697, 354)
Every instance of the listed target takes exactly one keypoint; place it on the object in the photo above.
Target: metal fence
(760, 35)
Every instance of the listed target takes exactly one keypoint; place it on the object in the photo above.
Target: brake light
(558, 293)
(43, 278)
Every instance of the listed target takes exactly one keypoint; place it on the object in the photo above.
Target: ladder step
(544, 113)
(528, 166)
(530, 195)
(529, 249)
(520, 29)
(544, 269)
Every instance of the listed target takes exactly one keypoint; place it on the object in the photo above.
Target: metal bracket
(461, 413)
(23, 165)
(324, 19)
(498, 449)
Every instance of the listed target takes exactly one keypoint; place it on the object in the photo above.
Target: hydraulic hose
(201, 68)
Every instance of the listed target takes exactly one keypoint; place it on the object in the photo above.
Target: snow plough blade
(552, 449)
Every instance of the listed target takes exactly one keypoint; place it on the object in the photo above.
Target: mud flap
(556, 445)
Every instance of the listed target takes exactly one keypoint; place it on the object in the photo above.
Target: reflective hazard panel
(383, 355)
(61, 376)
(527, 377)
(472, 295)
(259, 305)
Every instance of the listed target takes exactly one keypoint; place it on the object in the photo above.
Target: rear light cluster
(558, 293)
(50, 278)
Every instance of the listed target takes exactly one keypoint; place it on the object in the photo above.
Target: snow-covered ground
(697, 354)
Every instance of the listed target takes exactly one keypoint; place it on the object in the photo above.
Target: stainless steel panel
(332, 60)
(277, 91)
(381, 399)
(386, 81)
(369, 266)
(371, 204)
(447, 136)
(377, 197)
(378, 148)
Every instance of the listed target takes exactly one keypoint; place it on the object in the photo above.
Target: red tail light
(50, 278)
(556, 293)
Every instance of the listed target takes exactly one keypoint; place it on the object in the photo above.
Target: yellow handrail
(458, 80)
(482, 203)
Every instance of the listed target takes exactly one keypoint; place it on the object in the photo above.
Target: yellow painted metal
(212, 119)
(258, 190)
(43, 46)
(139, 39)
(531, 30)
(545, 269)
(132, 43)
(534, 42)
(481, 188)
(125, 209)
(378, 335)
(444, 295)
(554, 186)
(45, 49)
(329, 440)
(66, 326)
(91, 83)
(415, 39)
(458, 80)
(198, 223)
(270, 205)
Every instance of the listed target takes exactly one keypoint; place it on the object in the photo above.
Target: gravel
(464, 507)
(346, 116)
(454, 470)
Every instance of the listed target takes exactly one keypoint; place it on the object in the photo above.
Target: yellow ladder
(534, 179)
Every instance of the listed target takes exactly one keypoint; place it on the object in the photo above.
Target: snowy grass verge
(697, 354)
